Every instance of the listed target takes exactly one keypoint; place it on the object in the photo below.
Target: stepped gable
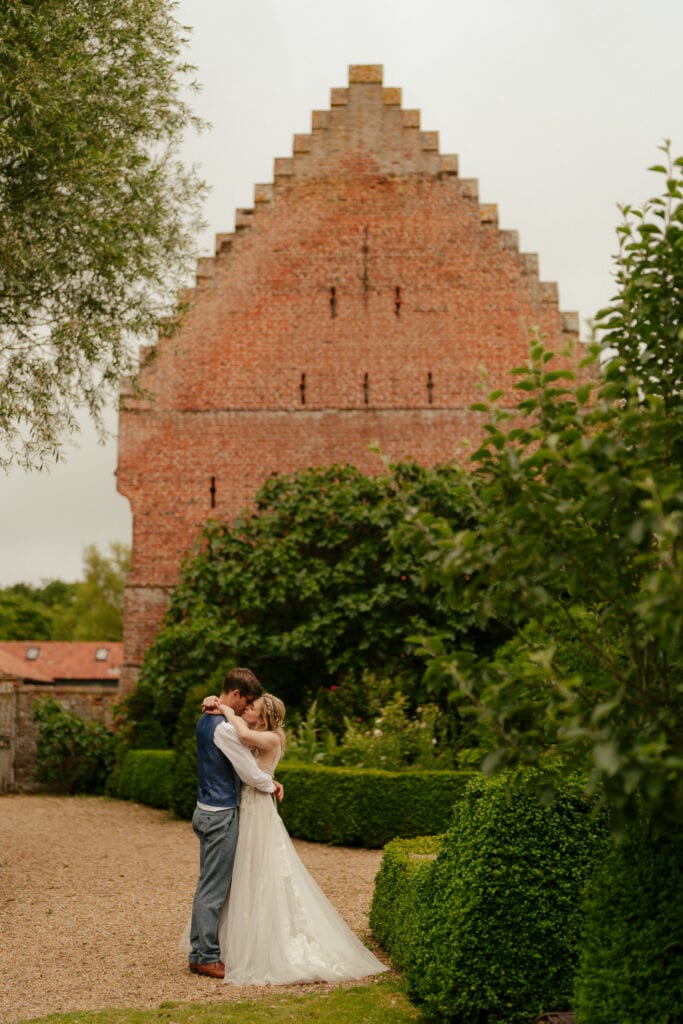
(358, 302)
(366, 132)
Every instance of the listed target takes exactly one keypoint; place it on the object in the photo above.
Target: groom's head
(240, 688)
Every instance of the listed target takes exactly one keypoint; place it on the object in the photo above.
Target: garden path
(94, 895)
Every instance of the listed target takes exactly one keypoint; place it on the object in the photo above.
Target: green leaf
(607, 758)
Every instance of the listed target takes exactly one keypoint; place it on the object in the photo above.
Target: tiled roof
(70, 661)
(14, 668)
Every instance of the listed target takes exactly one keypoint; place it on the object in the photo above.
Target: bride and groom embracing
(258, 918)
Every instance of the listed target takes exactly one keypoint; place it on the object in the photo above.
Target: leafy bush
(358, 695)
(406, 865)
(339, 806)
(631, 967)
(184, 782)
(140, 726)
(578, 499)
(394, 739)
(183, 796)
(145, 776)
(362, 807)
(497, 934)
(74, 755)
(310, 590)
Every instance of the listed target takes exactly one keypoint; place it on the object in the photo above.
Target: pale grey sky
(556, 107)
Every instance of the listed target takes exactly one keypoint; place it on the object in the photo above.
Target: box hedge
(406, 865)
(340, 806)
(184, 783)
(631, 967)
(145, 776)
(496, 936)
(363, 807)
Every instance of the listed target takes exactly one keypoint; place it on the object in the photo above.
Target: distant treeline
(90, 609)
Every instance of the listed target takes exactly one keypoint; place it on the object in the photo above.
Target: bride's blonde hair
(273, 714)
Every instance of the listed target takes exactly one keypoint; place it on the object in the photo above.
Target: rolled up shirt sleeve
(241, 758)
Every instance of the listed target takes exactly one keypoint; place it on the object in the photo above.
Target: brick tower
(359, 301)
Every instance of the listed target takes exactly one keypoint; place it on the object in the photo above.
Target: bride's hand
(210, 704)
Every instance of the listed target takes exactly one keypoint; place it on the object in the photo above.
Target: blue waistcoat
(218, 784)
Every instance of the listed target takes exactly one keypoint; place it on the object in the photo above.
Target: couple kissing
(258, 917)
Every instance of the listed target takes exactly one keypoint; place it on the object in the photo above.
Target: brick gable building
(359, 301)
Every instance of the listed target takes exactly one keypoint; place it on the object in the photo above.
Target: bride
(277, 925)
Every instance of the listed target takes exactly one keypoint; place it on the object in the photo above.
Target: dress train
(278, 927)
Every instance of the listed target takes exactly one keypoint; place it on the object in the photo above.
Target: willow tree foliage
(578, 545)
(98, 217)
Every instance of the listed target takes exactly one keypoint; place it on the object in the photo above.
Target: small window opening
(430, 387)
(212, 491)
(366, 389)
(302, 388)
(333, 302)
(397, 301)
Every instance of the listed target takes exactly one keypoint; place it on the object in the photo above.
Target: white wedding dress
(278, 926)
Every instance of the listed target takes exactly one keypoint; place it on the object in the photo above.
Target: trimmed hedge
(362, 807)
(496, 940)
(145, 776)
(184, 785)
(340, 806)
(405, 867)
(632, 955)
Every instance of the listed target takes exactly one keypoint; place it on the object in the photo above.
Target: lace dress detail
(278, 926)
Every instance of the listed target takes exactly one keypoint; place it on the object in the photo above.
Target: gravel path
(94, 895)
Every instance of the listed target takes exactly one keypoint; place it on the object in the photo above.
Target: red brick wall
(359, 301)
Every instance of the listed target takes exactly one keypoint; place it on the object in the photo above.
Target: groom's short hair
(244, 680)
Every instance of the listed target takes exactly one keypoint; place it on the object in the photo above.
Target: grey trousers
(217, 834)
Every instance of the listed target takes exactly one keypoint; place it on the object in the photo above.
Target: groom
(223, 761)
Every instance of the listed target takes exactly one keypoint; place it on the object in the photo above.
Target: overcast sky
(556, 106)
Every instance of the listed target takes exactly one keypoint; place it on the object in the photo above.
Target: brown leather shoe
(193, 967)
(214, 970)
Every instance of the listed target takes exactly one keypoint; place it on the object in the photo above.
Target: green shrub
(184, 783)
(148, 736)
(309, 588)
(344, 806)
(394, 738)
(74, 755)
(361, 807)
(183, 797)
(393, 914)
(631, 967)
(140, 726)
(190, 712)
(497, 933)
(341, 806)
(145, 776)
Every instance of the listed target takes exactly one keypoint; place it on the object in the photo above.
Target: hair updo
(272, 711)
